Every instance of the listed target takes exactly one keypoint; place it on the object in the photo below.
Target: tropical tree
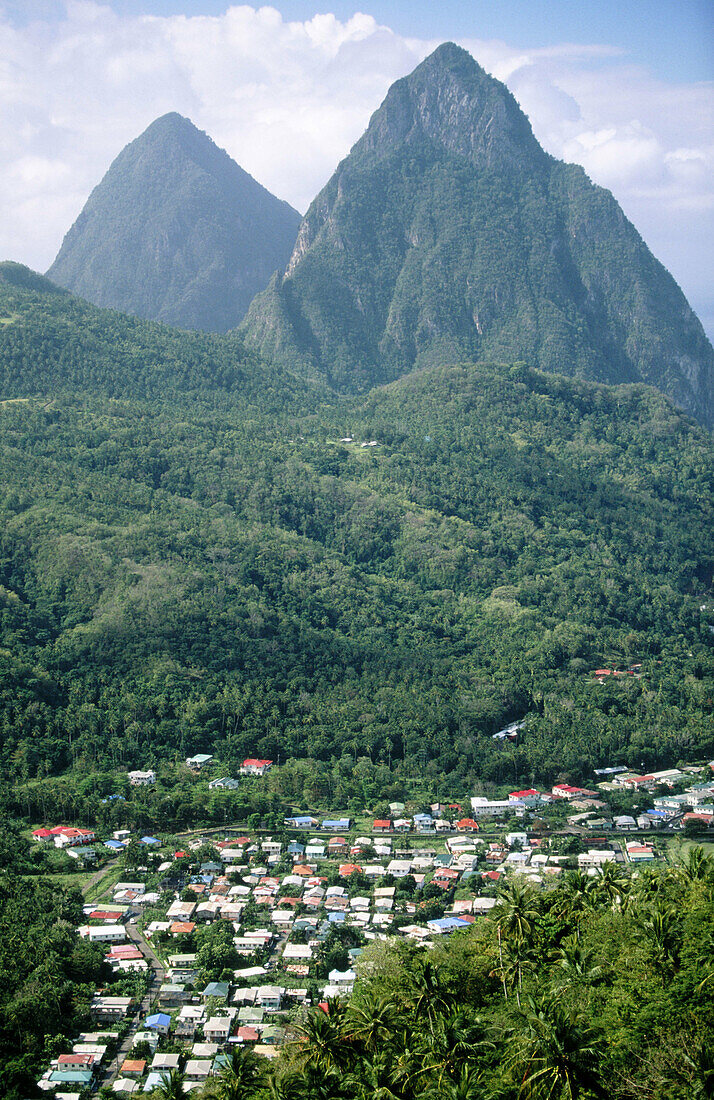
(556, 1056)
(695, 866)
(515, 915)
(372, 1021)
(240, 1076)
(320, 1039)
(611, 884)
(574, 963)
(172, 1087)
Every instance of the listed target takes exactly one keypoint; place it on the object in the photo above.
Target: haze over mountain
(448, 233)
(176, 232)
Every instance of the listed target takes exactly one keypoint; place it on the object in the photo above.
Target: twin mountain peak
(446, 234)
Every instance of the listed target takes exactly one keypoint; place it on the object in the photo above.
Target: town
(219, 939)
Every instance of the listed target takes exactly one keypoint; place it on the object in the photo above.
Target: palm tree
(575, 897)
(659, 929)
(172, 1087)
(611, 883)
(372, 1022)
(517, 909)
(573, 963)
(321, 1040)
(240, 1077)
(373, 1079)
(516, 914)
(471, 1084)
(557, 1054)
(457, 1043)
(430, 996)
(695, 866)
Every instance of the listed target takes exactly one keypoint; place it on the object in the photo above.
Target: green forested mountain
(176, 232)
(52, 342)
(448, 233)
(191, 560)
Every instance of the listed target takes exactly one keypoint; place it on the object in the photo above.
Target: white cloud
(288, 99)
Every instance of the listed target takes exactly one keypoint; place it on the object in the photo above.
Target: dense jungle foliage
(47, 974)
(215, 571)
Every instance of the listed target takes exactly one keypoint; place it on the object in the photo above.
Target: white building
(142, 779)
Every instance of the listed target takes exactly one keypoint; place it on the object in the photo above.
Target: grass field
(677, 847)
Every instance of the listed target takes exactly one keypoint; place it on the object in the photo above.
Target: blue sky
(675, 38)
(625, 89)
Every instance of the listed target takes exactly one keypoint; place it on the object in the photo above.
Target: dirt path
(94, 879)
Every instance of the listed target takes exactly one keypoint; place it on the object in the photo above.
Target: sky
(626, 89)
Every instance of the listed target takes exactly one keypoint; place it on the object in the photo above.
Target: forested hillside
(216, 571)
(52, 342)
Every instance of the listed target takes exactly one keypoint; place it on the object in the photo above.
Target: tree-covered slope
(52, 342)
(448, 233)
(176, 232)
(178, 577)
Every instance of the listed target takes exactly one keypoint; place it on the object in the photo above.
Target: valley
(356, 630)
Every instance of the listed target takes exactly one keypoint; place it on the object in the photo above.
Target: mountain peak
(448, 235)
(450, 99)
(176, 232)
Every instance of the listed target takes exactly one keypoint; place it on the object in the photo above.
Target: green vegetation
(176, 232)
(217, 574)
(57, 344)
(448, 234)
(47, 975)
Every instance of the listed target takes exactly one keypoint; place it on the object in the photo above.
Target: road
(158, 975)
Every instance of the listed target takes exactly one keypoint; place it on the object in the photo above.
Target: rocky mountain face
(176, 232)
(448, 233)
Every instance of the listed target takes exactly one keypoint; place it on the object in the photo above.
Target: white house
(142, 779)
(217, 1029)
(199, 761)
(252, 766)
(107, 933)
(483, 807)
(269, 996)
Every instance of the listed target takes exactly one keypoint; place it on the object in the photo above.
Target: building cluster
(290, 901)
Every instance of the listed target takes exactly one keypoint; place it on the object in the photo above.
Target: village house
(252, 766)
(198, 1070)
(529, 797)
(142, 779)
(133, 1068)
(188, 1020)
(566, 792)
(269, 997)
(65, 836)
(217, 1029)
(483, 807)
(166, 1062)
(198, 762)
(110, 1008)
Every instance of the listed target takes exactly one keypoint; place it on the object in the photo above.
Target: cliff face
(448, 233)
(176, 232)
